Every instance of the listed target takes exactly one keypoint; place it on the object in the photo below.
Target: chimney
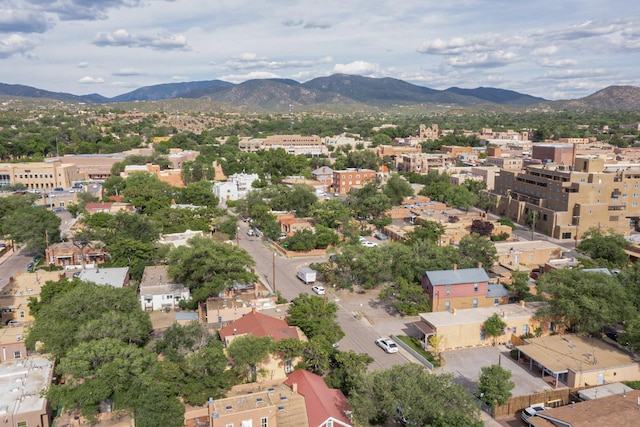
(454, 311)
(294, 387)
(455, 267)
(521, 303)
(479, 264)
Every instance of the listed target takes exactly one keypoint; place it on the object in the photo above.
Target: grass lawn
(415, 345)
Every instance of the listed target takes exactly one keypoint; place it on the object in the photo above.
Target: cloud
(576, 74)
(484, 60)
(158, 42)
(83, 64)
(558, 63)
(480, 43)
(357, 67)
(586, 29)
(309, 25)
(91, 80)
(239, 78)
(15, 45)
(23, 21)
(73, 10)
(545, 51)
(251, 61)
(128, 72)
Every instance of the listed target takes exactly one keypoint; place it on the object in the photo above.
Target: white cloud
(545, 51)
(14, 45)
(239, 78)
(156, 42)
(484, 60)
(357, 67)
(83, 64)
(251, 61)
(91, 80)
(575, 74)
(558, 63)
(128, 72)
(23, 21)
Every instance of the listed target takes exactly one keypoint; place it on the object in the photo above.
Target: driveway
(465, 365)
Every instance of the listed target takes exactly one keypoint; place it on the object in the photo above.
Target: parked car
(318, 289)
(77, 274)
(531, 411)
(250, 232)
(380, 236)
(387, 344)
(369, 244)
(30, 266)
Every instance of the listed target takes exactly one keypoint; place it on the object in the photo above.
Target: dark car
(30, 266)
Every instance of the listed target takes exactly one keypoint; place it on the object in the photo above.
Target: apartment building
(569, 200)
(296, 144)
(421, 162)
(508, 163)
(345, 180)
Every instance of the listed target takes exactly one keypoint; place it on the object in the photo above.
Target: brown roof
(260, 325)
(321, 401)
(619, 410)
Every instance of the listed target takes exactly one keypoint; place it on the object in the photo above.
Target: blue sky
(556, 49)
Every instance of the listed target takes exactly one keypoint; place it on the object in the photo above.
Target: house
(465, 328)
(326, 407)
(526, 255)
(324, 174)
(457, 288)
(12, 345)
(158, 291)
(577, 361)
(261, 325)
(345, 180)
(620, 410)
(22, 401)
(269, 403)
(14, 300)
(108, 207)
(117, 277)
(70, 256)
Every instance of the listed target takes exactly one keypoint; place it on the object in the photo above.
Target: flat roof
(21, 382)
(11, 334)
(559, 353)
(520, 246)
(480, 315)
(115, 276)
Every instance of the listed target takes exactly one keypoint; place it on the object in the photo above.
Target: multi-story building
(567, 201)
(39, 175)
(345, 180)
(457, 288)
(421, 162)
(508, 163)
(561, 154)
(296, 144)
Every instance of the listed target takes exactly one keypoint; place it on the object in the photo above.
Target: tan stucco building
(40, 175)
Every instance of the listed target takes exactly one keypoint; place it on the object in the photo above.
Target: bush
(416, 345)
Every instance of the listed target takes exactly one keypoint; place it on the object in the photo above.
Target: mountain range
(348, 91)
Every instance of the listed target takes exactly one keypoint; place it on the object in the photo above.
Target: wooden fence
(551, 398)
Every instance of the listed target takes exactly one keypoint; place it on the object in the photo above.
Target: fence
(414, 353)
(550, 398)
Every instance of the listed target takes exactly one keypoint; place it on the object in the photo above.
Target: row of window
(264, 422)
(474, 303)
(36, 176)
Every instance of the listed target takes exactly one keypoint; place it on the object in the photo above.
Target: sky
(555, 49)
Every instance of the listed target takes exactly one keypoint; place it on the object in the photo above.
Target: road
(14, 262)
(360, 332)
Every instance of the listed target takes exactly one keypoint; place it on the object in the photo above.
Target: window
(475, 303)
(483, 335)
(22, 314)
(229, 425)
(247, 423)
(447, 306)
(496, 301)
(525, 329)
(17, 355)
(21, 424)
(264, 422)
(288, 366)
(448, 289)
(475, 287)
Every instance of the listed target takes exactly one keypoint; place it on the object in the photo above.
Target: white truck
(307, 275)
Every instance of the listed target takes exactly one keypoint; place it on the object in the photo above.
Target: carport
(423, 332)
(532, 354)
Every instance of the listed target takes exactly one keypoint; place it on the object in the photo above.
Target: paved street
(12, 263)
(362, 320)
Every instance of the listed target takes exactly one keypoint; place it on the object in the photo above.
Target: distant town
(218, 269)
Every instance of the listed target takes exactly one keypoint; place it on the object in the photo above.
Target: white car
(318, 290)
(387, 344)
(369, 244)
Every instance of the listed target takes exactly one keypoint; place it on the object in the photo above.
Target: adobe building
(296, 144)
(570, 200)
(40, 175)
(526, 255)
(22, 403)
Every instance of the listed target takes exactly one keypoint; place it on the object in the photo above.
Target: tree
(247, 352)
(199, 193)
(426, 230)
(315, 317)
(147, 193)
(475, 248)
(302, 240)
(347, 370)
(520, 284)
(399, 393)
(32, 226)
(584, 301)
(532, 218)
(494, 385)
(208, 267)
(406, 297)
(179, 341)
(332, 213)
(486, 201)
(397, 188)
(605, 249)
(494, 327)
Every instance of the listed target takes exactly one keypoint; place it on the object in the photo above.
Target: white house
(157, 292)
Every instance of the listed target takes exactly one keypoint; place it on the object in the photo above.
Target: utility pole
(274, 272)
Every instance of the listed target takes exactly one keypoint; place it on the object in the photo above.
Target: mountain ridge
(349, 91)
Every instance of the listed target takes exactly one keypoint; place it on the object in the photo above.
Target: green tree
(475, 248)
(207, 267)
(32, 226)
(494, 327)
(332, 213)
(605, 249)
(406, 297)
(199, 193)
(584, 301)
(147, 193)
(247, 352)
(179, 341)
(486, 201)
(302, 240)
(315, 317)
(347, 370)
(494, 385)
(399, 393)
(426, 230)
(396, 189)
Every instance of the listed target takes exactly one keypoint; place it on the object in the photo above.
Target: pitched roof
(321, 401)
(453, 277)
(260, 325)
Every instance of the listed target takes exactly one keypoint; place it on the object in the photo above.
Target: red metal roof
(260, 325)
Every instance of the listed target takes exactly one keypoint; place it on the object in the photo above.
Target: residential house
(620, 410)
(116, 277)
(23, 383)
(14, 299)
(324, 174)
(158, 291)
(108, 207)
(465, 328)
(457, 289)
(12, 344)
(326, 407)
(527, 255)
(173, 177)
(261, 325)
(289, 224)
(577, 361)
(70, 256)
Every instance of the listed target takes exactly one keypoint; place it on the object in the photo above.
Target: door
(600, 379)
